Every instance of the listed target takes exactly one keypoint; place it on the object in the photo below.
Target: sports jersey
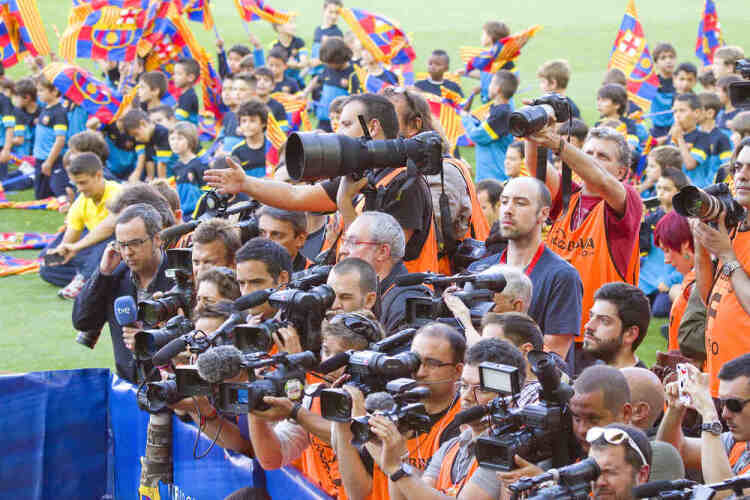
(252, 161)
(187, 106)
(335, 83)
(53, 123)
(720, 150)
(286, 85)
(725, 317)
(228, 137)
(723, 118)
(653, 268)
(85, 213)
(294, 51)
(492, 138)
(699, 144)
(662, 103)
(7, 112)
(318, 36)
(121, 160)
(278, 112)
(77, 118)
(431, 87)
(157, 150)
(25, 127)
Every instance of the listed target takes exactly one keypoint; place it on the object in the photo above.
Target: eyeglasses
(476, 389)
(122, 245)
(614, 436)
(734, 405)
(350, 242)
(359, 324)
(434, 363)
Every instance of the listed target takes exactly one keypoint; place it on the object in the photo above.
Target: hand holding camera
(392, 444)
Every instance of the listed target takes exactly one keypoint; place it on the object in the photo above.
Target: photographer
(378, 239)
(451, 471)
(355, 284)
(412, 207)
(725, 289)
(441, 350)
(718, 455)
(597, 232)
(216, 284)
(132, 265)
(623, 454)
(287, 431)
(288, 229)
(215, 242)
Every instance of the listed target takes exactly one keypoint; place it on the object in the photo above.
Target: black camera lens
(336, 405)
(528, 120)
(155, 311)
(88, 339)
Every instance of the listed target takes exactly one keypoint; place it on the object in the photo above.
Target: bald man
(647, 402)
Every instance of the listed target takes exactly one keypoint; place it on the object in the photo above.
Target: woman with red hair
(673, 235)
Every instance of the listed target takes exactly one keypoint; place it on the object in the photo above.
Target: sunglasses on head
(735, 405)
(616, 437)
(361, 325)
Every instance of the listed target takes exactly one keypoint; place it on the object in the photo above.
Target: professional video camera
(478, 290)
(147, 342)
(225, 362)
(573, 482)
(708, 203)
(305, 310)
(542, 111)
(255, 338)
(185, 382)
(535, 432)
(181, 296)
(739, 92)
(309, 278)
(684, 489)
(370, 370)
(311, 156)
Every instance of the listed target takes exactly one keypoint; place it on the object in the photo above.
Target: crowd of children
(685, 138)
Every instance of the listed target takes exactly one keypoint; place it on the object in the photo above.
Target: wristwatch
(728, 268)
(714, 427)
(403, 471)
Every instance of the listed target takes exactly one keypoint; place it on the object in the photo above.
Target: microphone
(471, 414)
(126, 312)
(334, 362)
(219, 363)
(170, 350)
(174, 232)
(253, 299)
(653, 488)
(412, 279)
(379, 401)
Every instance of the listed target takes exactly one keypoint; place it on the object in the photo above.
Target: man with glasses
(451, 470)
(725, 289)
(623, 454)
(133, 265)
(377, 238)
(719, 455)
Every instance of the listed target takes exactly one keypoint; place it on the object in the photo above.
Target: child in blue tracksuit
(665, 57)
(188, 169)
(720, 145)
(337, 79)
(492, 137)
(50, 178)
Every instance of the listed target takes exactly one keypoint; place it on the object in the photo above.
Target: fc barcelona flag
(259, 10)
(21, 31)
(380, 36)
(709, 34)
(77, 85)
(200, 12)
(630, 54)
(502, 52)
(103, 32)
(275, 139)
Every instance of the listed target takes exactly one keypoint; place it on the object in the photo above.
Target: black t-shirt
(119, 138)
(329, 32)
(159, 142)
(252, 161)
(187, 104)
(287, 85)
(431, 87)
(346, 78)
(190, 172)
(666, 85)
(292, 51)
(412, 208)
(573, 108)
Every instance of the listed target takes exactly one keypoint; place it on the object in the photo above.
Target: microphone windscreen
(379, 401)
(219, 363)
(334, 362)
(651, 489)
(471, 414)
(169, 351)
(252, 299)
(126, 312)
(175, 232)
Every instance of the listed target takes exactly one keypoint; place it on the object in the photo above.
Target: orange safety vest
(428, 257)
(727, 323)
(678, 309)
(736, 453)
(421, 449)
(587, 249)
(444, 482)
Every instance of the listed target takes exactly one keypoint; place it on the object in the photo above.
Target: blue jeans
(85, 262)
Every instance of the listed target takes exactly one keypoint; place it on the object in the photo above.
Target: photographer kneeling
(288, 431)
(451, 471)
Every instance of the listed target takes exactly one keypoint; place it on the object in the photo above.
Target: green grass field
(35, 329)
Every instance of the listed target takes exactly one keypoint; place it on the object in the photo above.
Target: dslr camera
(185, 382)
(708, 204)
(148, 342)
(535, 432)
(181, 296)
(546, 109)
(305, 310)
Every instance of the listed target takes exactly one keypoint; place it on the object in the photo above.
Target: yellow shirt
(85, 213)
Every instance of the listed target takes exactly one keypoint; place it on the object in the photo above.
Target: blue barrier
(79, 434)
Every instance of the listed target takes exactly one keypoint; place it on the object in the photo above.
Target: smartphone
(53, 259)
(682, 377)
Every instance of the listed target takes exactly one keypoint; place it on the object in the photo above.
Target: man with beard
(623, 454)
(617, 325)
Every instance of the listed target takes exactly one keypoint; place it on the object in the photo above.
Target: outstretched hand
(226, 180)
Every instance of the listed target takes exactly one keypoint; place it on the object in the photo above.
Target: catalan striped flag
(10, 266)
(444, 109)
(380, 36)
(200, 12)
(8, 50)
(21, 31)
(709, 34)
(502, 52)
(79, 86)
(275, 140)
(24, 241)
(295, 106)
(260, 10)
(630, 54)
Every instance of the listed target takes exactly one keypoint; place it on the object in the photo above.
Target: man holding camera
(441, 350)
(133, 265)
(451, 469)
(726, 289)
(596, 230)
(409, 202)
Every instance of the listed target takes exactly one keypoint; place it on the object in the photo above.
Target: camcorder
(684, 489)
(305, 310)
(309, 278)
(225, 362)
(311, 156)
(477, 293)
(185, 382)
(370, 370)
(148, 342)
(572, 482)
(707, 204)
(544, 110)
(181, 296)
(739, 92)
(535, 432)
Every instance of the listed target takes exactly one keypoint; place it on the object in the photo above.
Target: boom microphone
(412, 279)
(334, 362)
(471, 414)
(253, 299)
(219, 363)
(653, 488)
(170, 350)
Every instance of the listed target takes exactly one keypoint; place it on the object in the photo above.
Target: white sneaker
(72, 289)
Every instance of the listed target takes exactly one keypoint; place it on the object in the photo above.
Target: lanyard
(532, 264)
